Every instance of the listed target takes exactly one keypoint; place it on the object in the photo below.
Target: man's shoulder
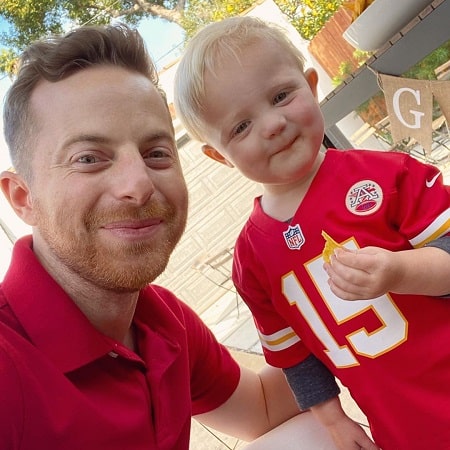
(11, 358)
(14, 342)
(7, 317)
(3, 301)
(11, 388)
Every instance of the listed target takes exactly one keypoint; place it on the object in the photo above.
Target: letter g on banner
(396, 105)
(410, 106)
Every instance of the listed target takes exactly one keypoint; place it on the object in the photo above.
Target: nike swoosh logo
(430, 183)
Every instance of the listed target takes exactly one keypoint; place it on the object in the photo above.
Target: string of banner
(409, 103)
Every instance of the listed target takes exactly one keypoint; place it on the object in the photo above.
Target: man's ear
(212, 153)
(18, 194)
(312, 77)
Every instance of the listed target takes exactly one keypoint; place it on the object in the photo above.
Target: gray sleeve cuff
(311, 382)
(442, 243)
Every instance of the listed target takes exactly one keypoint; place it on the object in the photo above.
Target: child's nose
(273, 125)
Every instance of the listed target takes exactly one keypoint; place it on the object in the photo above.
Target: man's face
(108, 198)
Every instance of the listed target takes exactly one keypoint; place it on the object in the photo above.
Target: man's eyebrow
(158, 135)
(99, 139)
(88, 138)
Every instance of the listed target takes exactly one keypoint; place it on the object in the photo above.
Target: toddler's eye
(280, 97)
(241, 128)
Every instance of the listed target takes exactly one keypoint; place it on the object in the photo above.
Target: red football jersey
(391, 352)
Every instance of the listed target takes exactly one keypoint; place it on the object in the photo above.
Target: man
(91, 355)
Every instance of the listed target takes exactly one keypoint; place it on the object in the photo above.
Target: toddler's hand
(362, 274)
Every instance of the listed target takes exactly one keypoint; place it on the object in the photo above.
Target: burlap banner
(410, 107)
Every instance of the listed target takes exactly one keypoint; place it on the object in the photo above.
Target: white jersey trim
(439, 227)
(280, 340)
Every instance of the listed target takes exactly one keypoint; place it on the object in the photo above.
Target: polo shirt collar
(52, 321)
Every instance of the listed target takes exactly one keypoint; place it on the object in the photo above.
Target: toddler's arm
(372, 271)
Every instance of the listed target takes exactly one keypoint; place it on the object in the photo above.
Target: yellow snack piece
(330, 246)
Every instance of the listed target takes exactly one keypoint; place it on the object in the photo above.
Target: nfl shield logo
(294, 237)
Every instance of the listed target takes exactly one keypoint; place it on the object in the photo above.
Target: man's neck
(110, 312)
(111, 316)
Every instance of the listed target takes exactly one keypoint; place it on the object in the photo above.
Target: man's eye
(280, 97)
(157, 153)
(87, 159)
(159, 157)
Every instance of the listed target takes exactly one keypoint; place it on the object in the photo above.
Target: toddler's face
(262, 114)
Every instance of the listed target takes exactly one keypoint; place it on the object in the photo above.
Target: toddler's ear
(212, 153)
(312, 77)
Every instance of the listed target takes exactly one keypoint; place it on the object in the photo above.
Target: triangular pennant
(409, 104)
(441, 92)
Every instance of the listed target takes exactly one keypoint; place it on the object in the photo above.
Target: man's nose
(133, 179)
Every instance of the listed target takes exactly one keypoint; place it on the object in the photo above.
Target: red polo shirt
(65, 386)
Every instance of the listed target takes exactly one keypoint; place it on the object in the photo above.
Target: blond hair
(204, 53)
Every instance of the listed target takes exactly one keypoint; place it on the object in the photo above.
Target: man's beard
(120, 267)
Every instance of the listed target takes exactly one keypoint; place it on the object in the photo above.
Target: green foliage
(202, 12)
(424, 70)
(7, 61)
(347, 67)
(308, 16)
(32, 19)
(28, 20)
